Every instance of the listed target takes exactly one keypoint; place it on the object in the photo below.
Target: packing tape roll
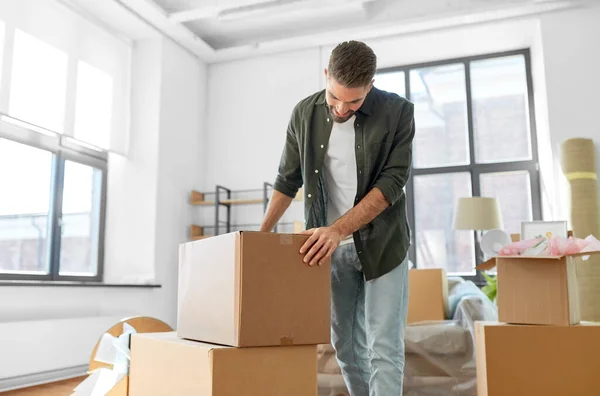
(581, 176)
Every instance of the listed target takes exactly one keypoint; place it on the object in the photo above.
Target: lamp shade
(478, 213)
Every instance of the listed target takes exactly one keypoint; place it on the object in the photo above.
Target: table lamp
(478, 213)
(482, 214)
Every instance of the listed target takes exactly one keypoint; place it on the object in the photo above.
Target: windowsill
(74, 284)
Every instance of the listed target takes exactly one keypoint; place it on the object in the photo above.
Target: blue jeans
(368, 319)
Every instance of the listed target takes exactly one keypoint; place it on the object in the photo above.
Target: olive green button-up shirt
(384, 130)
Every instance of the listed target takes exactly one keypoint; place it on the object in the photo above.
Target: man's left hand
(321, 244)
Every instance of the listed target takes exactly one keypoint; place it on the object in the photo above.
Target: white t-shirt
(340, 171)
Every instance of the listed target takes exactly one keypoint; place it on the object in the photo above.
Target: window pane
(93, 109)
(391, 82)
(513, 191)
(39, 83)
(500, 110)
(439, 95)
(80, 220)
(25, 176)
(437, 243)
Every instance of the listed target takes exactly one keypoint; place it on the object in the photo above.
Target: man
(351, 147)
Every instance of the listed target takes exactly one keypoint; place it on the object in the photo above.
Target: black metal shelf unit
(223, 198)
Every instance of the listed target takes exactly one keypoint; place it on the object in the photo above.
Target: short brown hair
(352, 64)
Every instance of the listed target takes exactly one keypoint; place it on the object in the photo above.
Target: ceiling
(220, 30)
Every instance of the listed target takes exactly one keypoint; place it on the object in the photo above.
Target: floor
(61, 388)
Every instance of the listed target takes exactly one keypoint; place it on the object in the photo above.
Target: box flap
(487, 265)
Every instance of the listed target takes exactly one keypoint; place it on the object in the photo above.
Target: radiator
(39, 351)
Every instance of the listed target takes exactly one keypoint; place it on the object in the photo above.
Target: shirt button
(322, 146)
(316, 171)
(309, 196)
(328, 120)
(360, 172)
(357, 125)
(358, 147)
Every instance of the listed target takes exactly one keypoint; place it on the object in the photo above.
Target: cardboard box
(538, 290)
(249, 289)
(163, 364)
(427, 295)
(537, 360)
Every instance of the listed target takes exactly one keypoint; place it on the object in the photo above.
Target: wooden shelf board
(199, 237)
(243, 201)
(202, 202)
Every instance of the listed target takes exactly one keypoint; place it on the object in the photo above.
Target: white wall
(180, 165)
(132, 181)
(250, 103)
(571, 51)
(249, 106)
(564, 55)
(251, 100)
(147, 217)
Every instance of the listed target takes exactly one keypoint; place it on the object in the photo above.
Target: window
(51, 215)
(80, 216)
(52, 206)
(475, 136)
(25, 208)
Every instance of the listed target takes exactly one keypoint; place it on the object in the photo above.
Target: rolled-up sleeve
(289, 177)
(397, 168)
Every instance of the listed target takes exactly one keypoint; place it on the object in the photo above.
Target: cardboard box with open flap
(539, 290)
(248, 289)
(163, 364)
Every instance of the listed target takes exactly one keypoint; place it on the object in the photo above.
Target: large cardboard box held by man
(532, 360)
(428, 295)
(248, 289)
(163, 364)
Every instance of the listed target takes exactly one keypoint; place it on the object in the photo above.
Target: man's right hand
(277, 206)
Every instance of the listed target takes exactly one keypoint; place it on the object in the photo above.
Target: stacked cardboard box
(250, 315)
(539, 347)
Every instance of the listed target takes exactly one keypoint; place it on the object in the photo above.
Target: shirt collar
(366, 108)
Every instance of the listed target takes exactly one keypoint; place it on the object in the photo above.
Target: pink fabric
(518, 248)
(560, 246)
(555, 246)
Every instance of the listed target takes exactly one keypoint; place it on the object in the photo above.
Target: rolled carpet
(579, 166)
